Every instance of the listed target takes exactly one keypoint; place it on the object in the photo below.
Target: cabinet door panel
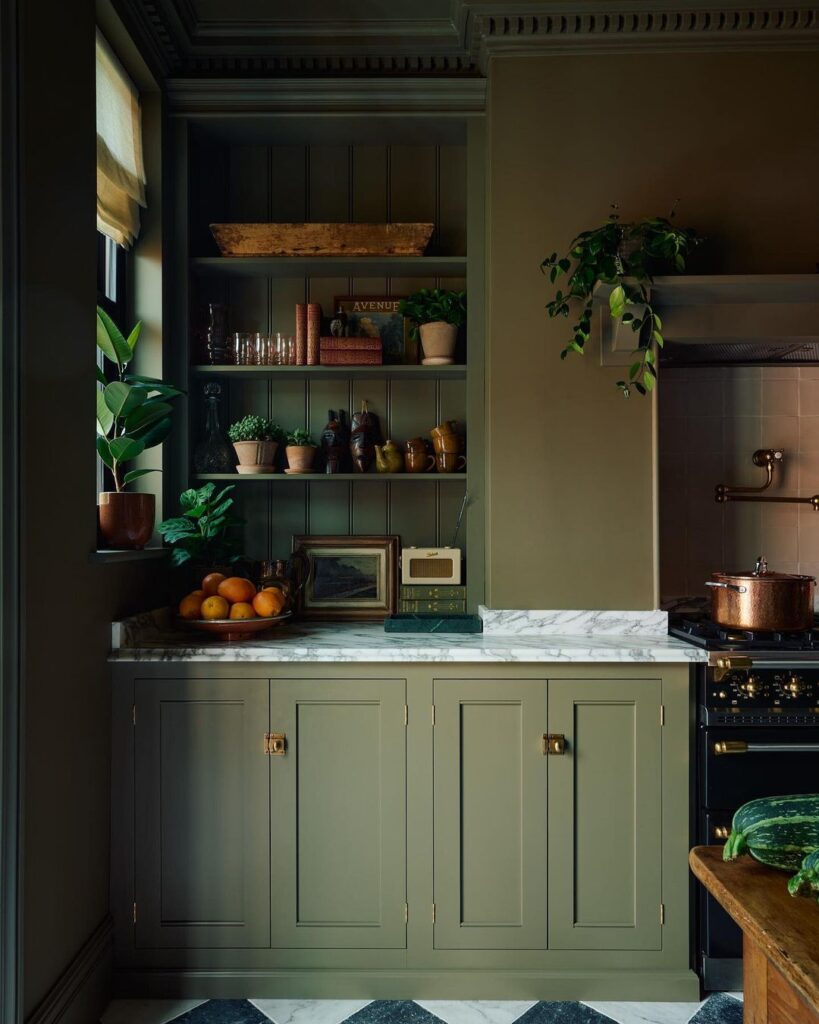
(202, 813)
(605, 815)
(490, 814)
(339, 813)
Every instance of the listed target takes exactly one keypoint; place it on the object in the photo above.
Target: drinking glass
(241, 348)
(290, 342)
(261, 348)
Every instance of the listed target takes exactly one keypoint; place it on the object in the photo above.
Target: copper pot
(762, 599)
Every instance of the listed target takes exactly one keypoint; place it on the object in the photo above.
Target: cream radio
(431, 565)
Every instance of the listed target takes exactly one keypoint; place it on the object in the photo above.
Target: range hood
(727, 320)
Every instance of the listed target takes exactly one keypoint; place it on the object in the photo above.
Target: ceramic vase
(126, 518)
(438, 340)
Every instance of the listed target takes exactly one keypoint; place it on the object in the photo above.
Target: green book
(432, 607)
(419, 592)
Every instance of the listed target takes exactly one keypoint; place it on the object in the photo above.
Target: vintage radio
(431, 565)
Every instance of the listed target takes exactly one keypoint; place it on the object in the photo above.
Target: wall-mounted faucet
(767, 459)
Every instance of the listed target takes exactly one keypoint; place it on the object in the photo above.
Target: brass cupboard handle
(275, 744)
(730, 747)
(721, 831)
(554, 743)
(742, 747)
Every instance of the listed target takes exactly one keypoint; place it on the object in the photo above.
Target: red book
(313, 333)
(350, 357)
(333, 344)
(301, 334)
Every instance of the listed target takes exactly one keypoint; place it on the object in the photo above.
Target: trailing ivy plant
(624, 256)
(133, 412)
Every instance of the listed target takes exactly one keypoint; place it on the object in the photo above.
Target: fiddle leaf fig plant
(133, 412)
(624, 256)
(433, 305)
(206, 531)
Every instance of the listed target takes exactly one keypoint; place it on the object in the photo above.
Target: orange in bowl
(242, 610)
(214, 607)
(268, 602)
(236, 590)
(210, 584)
(190, 607)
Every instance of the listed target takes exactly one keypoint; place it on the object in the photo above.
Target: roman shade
(120, 171)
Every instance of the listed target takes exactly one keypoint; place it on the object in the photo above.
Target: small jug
(417, 458)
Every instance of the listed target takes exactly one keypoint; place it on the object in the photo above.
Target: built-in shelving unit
(420, 163)
(331, 266)
(386, 372)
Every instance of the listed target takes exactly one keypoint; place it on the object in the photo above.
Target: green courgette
(806, 881)
(777, 830)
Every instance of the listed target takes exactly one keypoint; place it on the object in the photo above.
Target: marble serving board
(155, 636)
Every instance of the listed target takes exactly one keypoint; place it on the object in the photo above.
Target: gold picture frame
(346, 578)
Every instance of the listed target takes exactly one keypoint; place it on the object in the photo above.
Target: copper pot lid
(761, 573)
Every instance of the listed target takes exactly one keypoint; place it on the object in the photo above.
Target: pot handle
(728, 586)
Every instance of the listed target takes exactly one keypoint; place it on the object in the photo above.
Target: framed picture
(347, 577)
(377, 316)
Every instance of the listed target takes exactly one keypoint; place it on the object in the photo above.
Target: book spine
(432, 607)
(301, 334)
(360, 357)
(419, 592)
(313, 333)
(333, 344)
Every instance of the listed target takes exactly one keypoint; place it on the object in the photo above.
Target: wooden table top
(785, 927)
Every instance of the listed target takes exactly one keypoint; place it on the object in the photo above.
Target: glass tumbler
(241, 348)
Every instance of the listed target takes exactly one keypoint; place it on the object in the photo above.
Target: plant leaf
(189, 498)
(133, 337)
(617, 301)
(105, 418)
(648, 381)
(101, 377)
(154, 434)
(134, 474)
(122, 399)
(123, 449)
(110, 340)
(104, 452)
(146, 414)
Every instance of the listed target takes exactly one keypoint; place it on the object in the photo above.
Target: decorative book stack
(351, 352)
(449, 599)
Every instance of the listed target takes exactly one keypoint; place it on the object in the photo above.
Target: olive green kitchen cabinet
(398, 830)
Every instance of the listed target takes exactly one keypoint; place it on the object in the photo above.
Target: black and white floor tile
(723, 1008)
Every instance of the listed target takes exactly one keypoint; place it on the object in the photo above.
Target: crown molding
(462, 43)
(303, 96)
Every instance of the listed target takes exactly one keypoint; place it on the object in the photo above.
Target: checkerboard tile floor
(722, 1008)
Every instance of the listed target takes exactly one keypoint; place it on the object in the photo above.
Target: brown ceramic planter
(255, 456)
(126, 518)
(300, 458)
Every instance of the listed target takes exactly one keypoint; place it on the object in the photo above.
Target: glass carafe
(214, 453)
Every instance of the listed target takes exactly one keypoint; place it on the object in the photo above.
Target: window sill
(126, 555)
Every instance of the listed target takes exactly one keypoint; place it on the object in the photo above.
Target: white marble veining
(309, 1011)
(566, 622)
(473, 1012)
(646, 1013)
(154, 639)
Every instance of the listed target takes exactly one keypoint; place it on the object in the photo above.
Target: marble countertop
(513, 636)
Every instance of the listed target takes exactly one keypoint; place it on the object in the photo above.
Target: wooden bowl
(237, 629)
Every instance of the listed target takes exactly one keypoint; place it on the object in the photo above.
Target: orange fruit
(269, 601)
(210, 584)
(236, 589)
(242, 610)
(214, 608)
(190, 606)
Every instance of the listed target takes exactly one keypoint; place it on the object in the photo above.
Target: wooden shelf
(330, 266)
(286, 478)
(393, 372)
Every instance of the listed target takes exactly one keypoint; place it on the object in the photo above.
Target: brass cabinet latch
(275, 744)
(554, 743)
(730, 747)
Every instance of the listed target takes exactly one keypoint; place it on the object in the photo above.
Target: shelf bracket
(767, 459)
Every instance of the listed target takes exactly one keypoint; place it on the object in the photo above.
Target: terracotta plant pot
(126, 518)
(300, 458)
(255, 456)
(438, 339)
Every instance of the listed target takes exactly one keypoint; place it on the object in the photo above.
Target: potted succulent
(625, 257)
(300, 452)
(436, 315)
(133, 414)
(255, 440)
(206, 531)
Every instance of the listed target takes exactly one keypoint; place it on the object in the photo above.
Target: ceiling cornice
(463, 43)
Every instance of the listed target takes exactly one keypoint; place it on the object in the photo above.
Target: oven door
(759, 761)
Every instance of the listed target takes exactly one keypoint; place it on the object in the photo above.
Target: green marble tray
(408, 622)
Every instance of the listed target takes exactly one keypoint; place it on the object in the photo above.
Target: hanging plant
(626, 257)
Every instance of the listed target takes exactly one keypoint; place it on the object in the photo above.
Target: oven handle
(743, 747)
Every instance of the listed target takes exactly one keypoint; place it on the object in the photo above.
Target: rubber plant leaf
(135, 474)
(110, 340)
(122, 399)
(105, 418)
(124, 449)
(104, 451)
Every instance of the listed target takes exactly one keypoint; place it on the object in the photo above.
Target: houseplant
(436, 315)
(300, 451)
(624, 256)
(133, 414)
(255, 440)
(206, 532)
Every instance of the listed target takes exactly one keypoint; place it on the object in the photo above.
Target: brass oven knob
(751, 687)
(794, 685)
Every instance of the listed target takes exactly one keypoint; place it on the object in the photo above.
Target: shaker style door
(338, 796)
(202, 811)
(605, 822)
(490, 814)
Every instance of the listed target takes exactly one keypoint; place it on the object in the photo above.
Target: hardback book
(301, 334)
(432, 607)
(424, 592)
(333, 344)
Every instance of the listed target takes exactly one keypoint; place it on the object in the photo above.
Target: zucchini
(806, 881)
(777, 830)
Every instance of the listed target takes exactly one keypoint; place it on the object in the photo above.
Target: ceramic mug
(450, 462)
(419, 462)
(447, 427)
(450, 443)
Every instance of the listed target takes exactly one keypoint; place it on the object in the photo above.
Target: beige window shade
(120, 170)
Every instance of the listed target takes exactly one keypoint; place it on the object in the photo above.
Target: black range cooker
(757, 734)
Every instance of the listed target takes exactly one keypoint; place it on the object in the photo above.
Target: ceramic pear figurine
(388, 458)
(366, 434)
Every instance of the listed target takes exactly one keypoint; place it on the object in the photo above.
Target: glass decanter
(214, 453)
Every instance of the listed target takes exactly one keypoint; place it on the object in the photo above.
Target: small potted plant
(436, 315)
(133, 414)
(300, 452)
(255, 440)
(625, 257)
(206, 533)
